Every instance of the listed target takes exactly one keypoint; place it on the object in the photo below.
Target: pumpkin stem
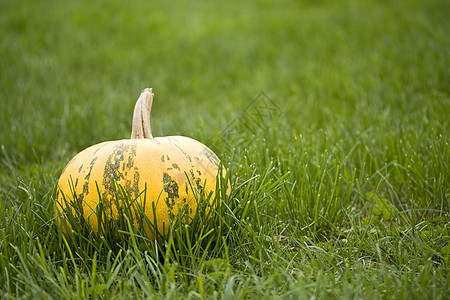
(141, 117)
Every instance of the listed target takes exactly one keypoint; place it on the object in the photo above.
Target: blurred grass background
(363, 94)
(71, 72)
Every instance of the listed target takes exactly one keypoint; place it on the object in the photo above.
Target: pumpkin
(162, 173)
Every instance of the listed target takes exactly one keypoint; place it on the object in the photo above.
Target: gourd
(163, 174)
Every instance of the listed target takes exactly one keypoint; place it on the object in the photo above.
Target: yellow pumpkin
(170, 170)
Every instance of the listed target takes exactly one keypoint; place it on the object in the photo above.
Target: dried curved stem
(141, 117)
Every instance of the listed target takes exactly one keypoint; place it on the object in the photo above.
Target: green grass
(339, 167)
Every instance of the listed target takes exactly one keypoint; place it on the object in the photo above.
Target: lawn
(330, 117)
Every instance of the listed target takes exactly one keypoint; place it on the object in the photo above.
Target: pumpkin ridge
(111, 171)
(173, 141)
